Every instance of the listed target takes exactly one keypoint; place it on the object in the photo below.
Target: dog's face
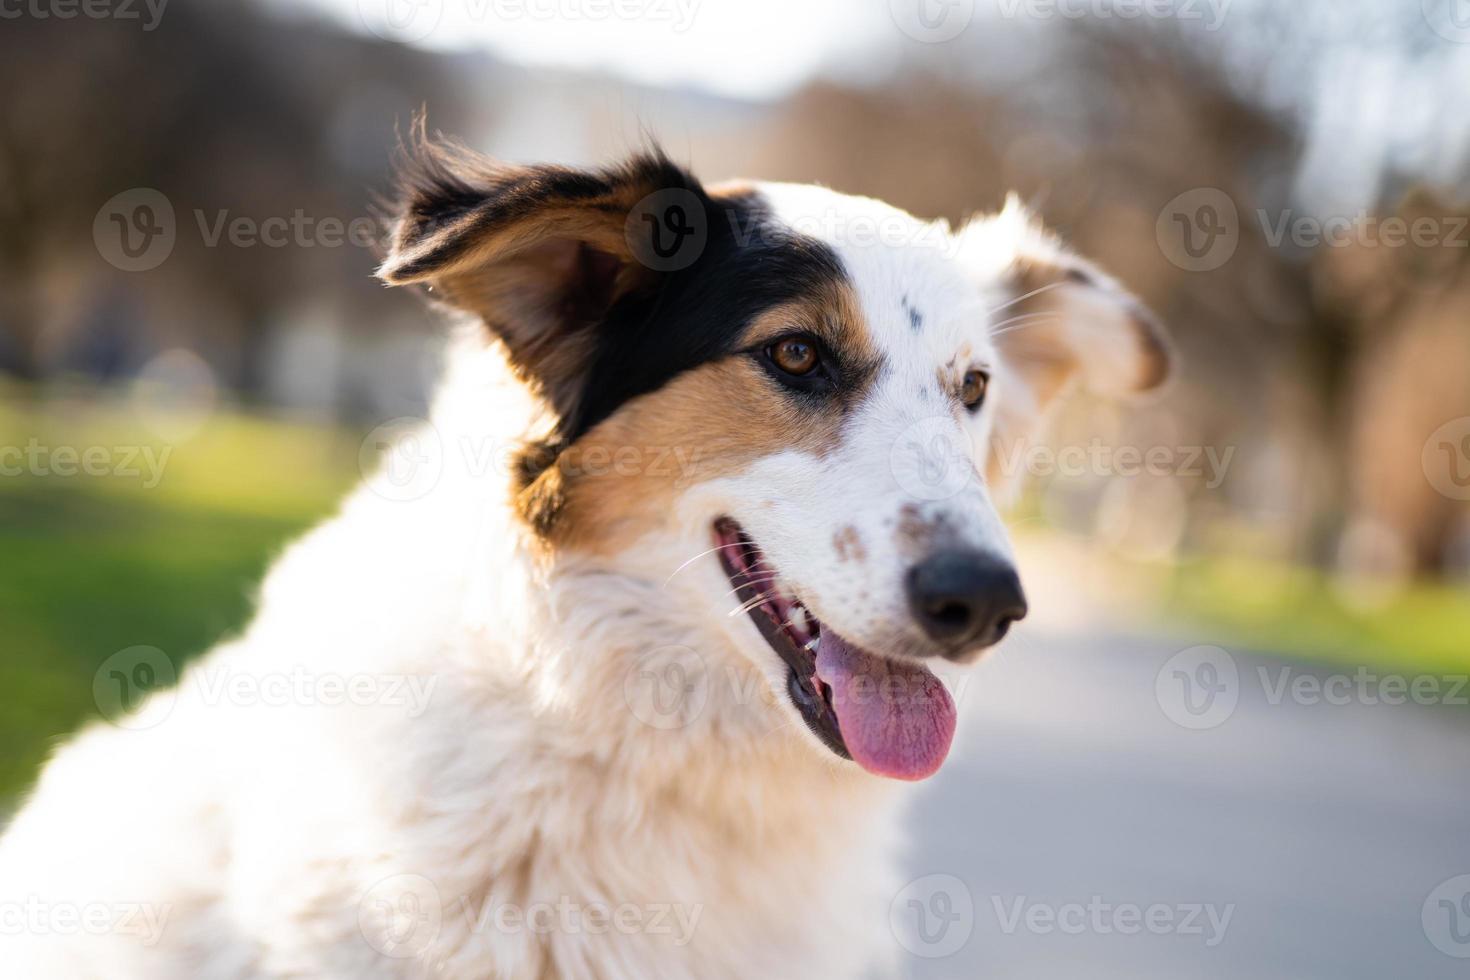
(801, 390)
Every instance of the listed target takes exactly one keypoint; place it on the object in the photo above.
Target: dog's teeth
(811, 646)
(800, 619)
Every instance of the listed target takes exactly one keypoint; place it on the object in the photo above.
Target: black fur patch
(916, 319)
(698, 314)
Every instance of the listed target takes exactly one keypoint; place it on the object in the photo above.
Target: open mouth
(892, 718)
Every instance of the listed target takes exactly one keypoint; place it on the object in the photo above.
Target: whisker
(748, 606)
(696, 558)
(1035, 292)
(755, 581)
(1041, 320)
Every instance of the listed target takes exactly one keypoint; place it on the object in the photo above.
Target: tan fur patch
(620, 480)
(849, 544)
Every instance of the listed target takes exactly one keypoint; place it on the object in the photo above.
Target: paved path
(1320, 829)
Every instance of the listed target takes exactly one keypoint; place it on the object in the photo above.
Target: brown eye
(972, 392)
(795, 355)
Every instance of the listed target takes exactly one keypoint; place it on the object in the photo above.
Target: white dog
(619, 665)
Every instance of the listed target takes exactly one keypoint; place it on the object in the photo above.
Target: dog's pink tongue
(897, 719)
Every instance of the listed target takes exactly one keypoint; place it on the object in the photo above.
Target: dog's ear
(1067, 323)
(541, 254)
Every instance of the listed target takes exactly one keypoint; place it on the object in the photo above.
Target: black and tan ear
(540, 254)
(1065, 324)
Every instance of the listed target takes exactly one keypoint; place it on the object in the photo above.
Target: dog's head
(798, 390)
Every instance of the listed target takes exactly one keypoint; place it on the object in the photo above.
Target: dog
(708, 498)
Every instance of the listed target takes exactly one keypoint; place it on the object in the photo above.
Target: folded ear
(541, 254)
(1067, 324)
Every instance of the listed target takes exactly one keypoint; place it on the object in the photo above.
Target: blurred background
(193, 350)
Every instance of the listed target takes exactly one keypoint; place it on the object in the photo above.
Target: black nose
(965, 599)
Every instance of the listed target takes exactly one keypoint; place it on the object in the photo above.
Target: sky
(751, 49)
(1366, 82)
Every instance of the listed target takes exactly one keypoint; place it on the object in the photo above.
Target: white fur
(537, 770)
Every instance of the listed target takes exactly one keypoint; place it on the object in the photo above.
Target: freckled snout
(965, 599)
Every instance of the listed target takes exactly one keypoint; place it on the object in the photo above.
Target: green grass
(1423, 628)
(95, 564)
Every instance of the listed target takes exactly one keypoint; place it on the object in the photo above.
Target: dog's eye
(972, 392)
(797, 356)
